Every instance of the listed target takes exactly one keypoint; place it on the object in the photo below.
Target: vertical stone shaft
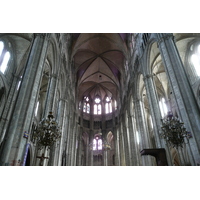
(132, 142)
(117, 149)
(185, 100)
(60, 117)
(23, 110)
(142, 130)
(126, 141)
(79, 151)
(155, 114)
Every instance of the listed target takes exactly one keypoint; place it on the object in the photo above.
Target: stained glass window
(86, 105)
(163, 107)
(108, 105)
(4, 57)
(195, 58)
(97, 106)
(97, 143)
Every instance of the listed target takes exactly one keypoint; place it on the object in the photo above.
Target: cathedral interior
(100, 99)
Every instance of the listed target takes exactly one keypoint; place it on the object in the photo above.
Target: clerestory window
(97, 143)
(4, 57)
(86, 105)
(195, 59)
(108, 105)
(163, 107)
(97, 106)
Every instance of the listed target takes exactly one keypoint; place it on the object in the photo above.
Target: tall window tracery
(108, 105)
(97, 106)
(4, 57)
(195, 58)
(97, 143)
(86, 105)
(163, 107)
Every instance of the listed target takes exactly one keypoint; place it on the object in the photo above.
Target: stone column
(71, 140)
(87, 151)
(49, 106)
(126, 141)
(7, 110)
(117, 151)
(23, 111)
(121, 147)
(68, 139)
(61, 117)
(65, 134)
(90, 148)
(156, 115)
(75, 142)
(186, 103)
(154, 108)
(79, 154)
(142, 131)
(134, 158)
(51, 94)
(105, 156)
(137, 146)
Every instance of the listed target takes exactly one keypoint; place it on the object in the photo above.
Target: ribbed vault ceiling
(99, 62)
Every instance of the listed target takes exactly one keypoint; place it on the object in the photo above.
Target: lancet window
(86, 105)
(97, 106)
(195, 58)
(4, 57)
(97, 143)
(163, 107)
(108, 105)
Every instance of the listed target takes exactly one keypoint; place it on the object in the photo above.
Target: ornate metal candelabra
(174, 131)
(47, 132)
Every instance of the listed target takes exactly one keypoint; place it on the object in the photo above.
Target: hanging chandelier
(47, 132)
(173, 131)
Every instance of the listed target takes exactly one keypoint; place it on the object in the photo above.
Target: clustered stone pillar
(126, 141)
(65, 134)
(142, 131)
(90, 145)
(134, 157)
(75, 141)
(79, 150)
(117, 148)
(51, 94)
(23, 111)
(155, 114)
(188, 109)
(70, 137)
(121, 147)
(8, 107)
(61, 120)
